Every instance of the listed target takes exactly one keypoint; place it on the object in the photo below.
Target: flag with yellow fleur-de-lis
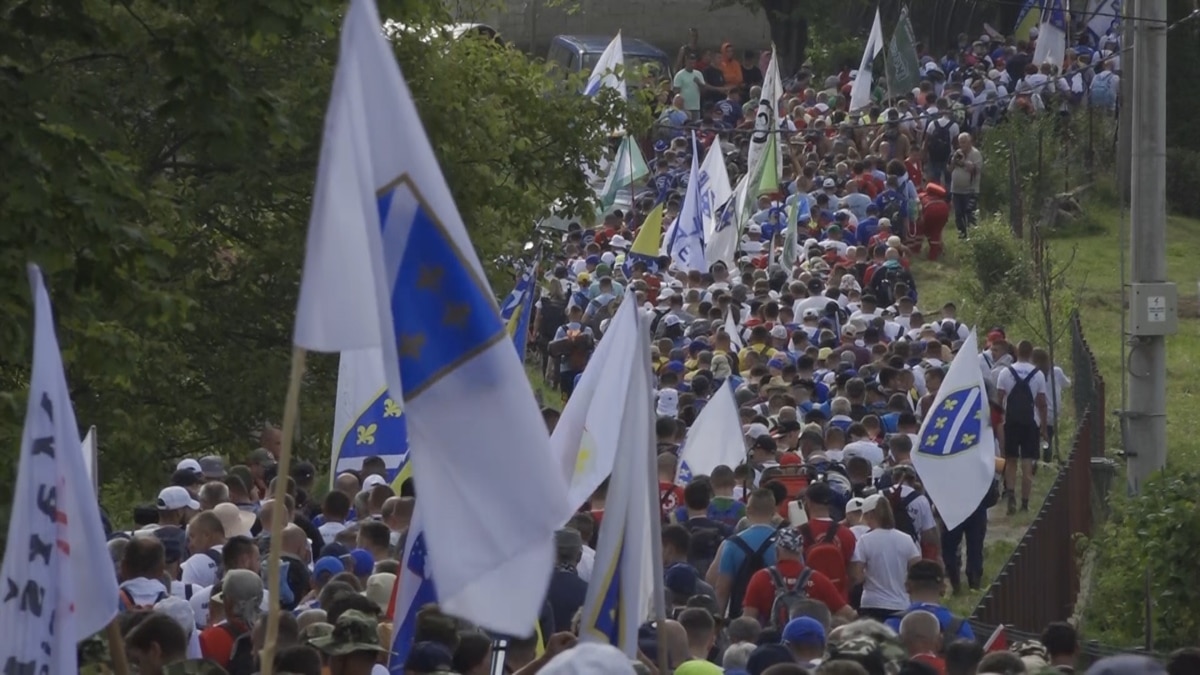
(956, 449)
(367, 420)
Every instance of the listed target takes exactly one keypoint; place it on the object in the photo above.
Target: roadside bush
(1157, 534)
(999, 277)
(1183, 181)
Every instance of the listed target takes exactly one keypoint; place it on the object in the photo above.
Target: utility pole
(1152, 299)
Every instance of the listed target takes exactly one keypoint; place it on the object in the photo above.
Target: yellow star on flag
(391, 408)
(931, 441)
(940, 423)
(366, 434)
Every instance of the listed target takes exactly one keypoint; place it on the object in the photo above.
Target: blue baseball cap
(681, 580)
(363, 561)
(328, 565)
(804, 630)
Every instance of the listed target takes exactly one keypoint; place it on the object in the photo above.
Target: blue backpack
(1103, 92)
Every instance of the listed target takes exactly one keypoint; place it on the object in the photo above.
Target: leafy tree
(159, 162)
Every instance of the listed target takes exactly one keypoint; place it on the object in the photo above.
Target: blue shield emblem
(955, 424)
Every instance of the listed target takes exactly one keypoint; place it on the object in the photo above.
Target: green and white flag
(627, 168)
(903, 65)
(788, 254)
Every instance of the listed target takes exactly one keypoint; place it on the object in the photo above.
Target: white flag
(367, 420)
(686, 246)
(766, 131)
(58, 585)
(860, 92)
(609, 70)
(715, 190)
(89, 455)
(731, 329)
(955, 457)
(715, 438)
(587, 436)
(620, 595)
(389, 265)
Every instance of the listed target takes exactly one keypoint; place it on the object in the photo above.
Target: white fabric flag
(715, 190)
(766, 130)
(1052, 36)
(389, 266)
(860, 92)
(609, 70)
(58, 585)
(731, 329)
(955, 457)
(621, 594)
(687, 238)
(367, 421)
(89, 455)
(587, 437)
(715, 438)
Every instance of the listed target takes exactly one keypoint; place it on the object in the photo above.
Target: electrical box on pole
(1153, 309)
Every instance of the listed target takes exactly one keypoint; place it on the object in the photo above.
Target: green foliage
(159, 163)
(1183, 181)
(1155, 534)
(999, 277)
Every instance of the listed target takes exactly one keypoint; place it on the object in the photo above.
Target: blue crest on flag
(609, 616)
(955, 424)
(380, 430)
(685, 473)
(443, 315)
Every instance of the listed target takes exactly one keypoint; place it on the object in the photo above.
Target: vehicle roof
(589, 44)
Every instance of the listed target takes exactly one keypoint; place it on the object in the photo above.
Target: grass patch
(996, 553)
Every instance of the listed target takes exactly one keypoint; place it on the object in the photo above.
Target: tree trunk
(789, 32)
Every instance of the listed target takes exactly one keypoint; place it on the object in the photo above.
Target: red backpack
(825, 555)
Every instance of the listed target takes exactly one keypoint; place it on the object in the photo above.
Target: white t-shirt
(586, 562)
(859, 530)
(330, 531)
(1037, 384)
(886, 555)
(1060, 382)
(919, 510)
(200, 569)
(865, 449)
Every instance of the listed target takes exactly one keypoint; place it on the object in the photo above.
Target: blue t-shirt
(732, 555)
(890, 422)
(943, 615)
(867, 228)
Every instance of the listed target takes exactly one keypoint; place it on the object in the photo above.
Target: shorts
(1023, 441)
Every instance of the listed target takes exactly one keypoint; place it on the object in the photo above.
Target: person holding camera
(966, 174)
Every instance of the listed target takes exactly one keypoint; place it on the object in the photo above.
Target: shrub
(1183, 181)
(999, 274)
(1156, 533)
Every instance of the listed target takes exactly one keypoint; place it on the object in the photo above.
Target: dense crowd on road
(821, 552)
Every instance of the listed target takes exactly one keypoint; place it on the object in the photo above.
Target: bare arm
(858, 572)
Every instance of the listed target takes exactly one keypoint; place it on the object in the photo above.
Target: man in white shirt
(1021, 389)
(205, 536)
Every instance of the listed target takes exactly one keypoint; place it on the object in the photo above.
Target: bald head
(347, 484)
(294, 540)
(920, 632)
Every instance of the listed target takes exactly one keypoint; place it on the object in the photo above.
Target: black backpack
(753, 562)
(241, 658)
(904, 522)
(940, 143)
(885, 281)
(1019, 408)
(703, 546)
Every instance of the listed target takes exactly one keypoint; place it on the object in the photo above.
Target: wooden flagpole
(291, 411)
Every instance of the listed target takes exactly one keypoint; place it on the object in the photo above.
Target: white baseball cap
(373, 480)
(189, 464)
(855, 505)
(174, 498)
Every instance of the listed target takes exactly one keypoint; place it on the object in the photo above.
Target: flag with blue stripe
(955, 453)
(609, 70)
(628, 554)
(368, 421)
(686, 247)
(389, 266)
(414, 589)
(1055, 15)
(518, 307)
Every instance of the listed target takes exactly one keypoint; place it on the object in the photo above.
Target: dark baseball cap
(212, 467)
(262, 457)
